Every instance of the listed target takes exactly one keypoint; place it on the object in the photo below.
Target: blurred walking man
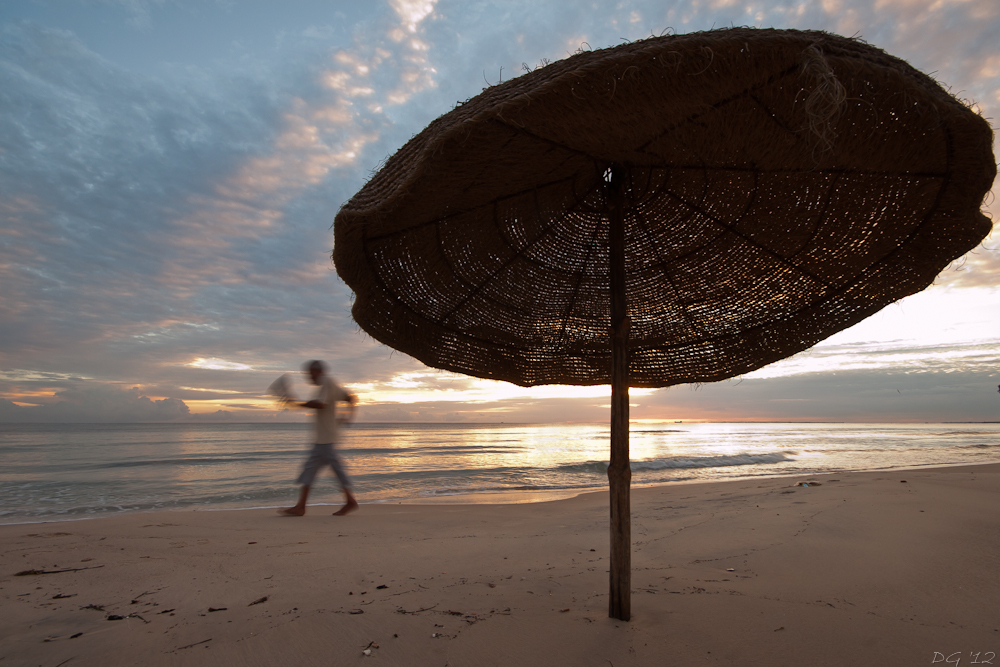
(324, 450)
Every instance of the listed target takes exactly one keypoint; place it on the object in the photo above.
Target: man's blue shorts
(319, 456)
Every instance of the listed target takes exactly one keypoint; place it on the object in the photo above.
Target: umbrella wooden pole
(619, 472)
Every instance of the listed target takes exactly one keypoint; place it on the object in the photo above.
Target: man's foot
(293, 511)
(351, 505)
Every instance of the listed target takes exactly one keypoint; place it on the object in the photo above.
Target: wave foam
(674, 462)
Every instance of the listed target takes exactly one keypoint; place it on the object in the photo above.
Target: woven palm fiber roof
(780, 186)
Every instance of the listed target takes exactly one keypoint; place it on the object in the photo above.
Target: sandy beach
(875, 568)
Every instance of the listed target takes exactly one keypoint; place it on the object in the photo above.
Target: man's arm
(351, 400)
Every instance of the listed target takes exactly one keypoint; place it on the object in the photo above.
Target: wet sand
(864, 569)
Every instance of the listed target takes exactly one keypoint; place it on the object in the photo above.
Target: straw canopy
(779, 186)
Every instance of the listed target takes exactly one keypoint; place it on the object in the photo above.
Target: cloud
(459, 394)
(217, 416)
(963, 357)
(853, 395)
(412, 12)
(856, 395)
(97, 404)
(129, 201)
(978, 268)
(171, 232)
(96, 163)
(219, 364)
(940, 329)
(139, 11)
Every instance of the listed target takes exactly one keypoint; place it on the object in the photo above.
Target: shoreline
(511, 497)
(876, 567)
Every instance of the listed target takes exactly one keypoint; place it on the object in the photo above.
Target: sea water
(70, 471)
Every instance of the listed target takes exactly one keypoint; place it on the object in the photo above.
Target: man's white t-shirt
(326, 419)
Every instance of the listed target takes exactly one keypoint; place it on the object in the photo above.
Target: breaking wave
(675, 462)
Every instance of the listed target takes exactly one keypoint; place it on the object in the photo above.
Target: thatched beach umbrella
(680, 209)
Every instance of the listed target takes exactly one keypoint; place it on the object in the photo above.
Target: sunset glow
(171, 176)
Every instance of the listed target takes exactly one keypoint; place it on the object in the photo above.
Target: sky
(170, 171)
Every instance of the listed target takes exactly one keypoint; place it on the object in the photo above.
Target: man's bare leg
(300, 507)
(351, 505)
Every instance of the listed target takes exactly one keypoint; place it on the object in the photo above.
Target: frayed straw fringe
(826, 101)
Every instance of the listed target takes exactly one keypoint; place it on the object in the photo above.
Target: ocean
(52, 472)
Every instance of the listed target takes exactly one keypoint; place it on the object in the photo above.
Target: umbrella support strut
(619, 471)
